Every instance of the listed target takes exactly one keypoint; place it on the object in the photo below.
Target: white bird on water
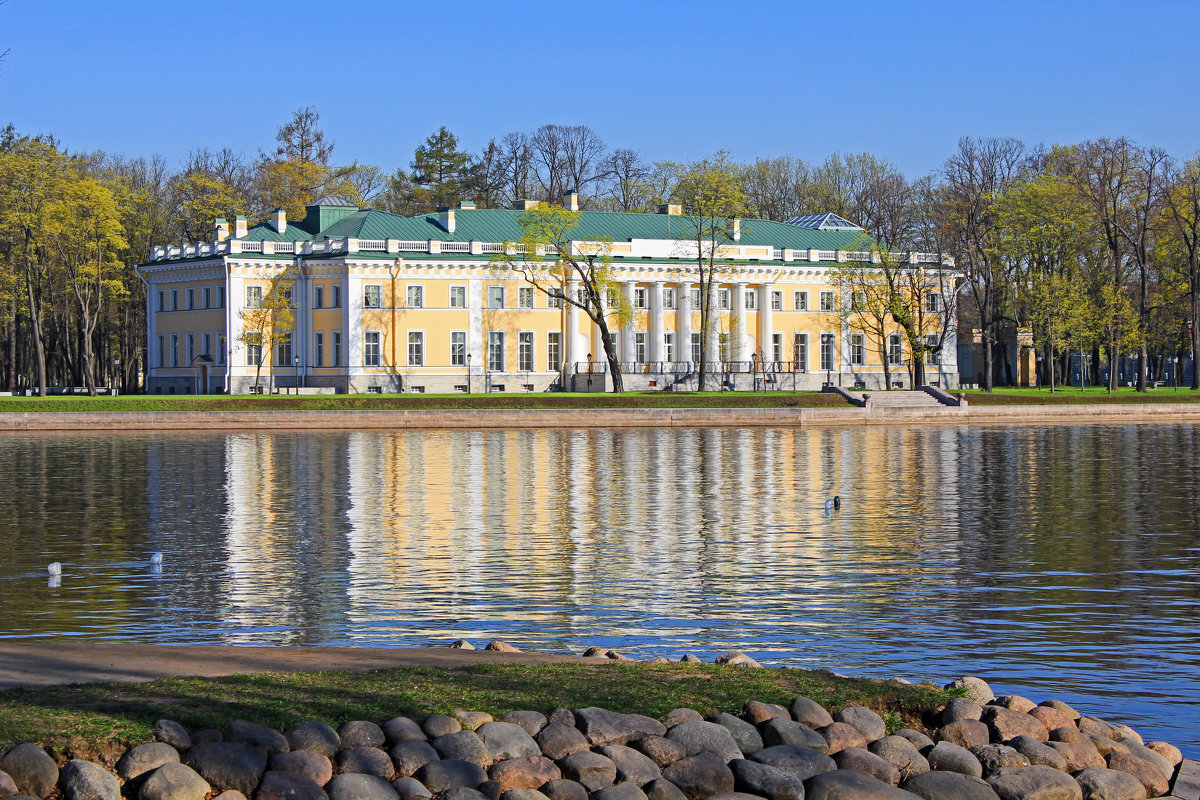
(54, 569)
(156, 560)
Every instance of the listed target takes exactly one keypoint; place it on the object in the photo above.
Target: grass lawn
(1073, 394)
(99, 720)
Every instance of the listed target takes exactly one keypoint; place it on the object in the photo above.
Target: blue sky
(672, 80)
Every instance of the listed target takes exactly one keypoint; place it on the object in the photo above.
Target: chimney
(466, 205)
(526, 205)
(279, 220)
(674, 209)
(220, 229)
(239, 227)
(446, 219)
(571, 200)
(735, 229)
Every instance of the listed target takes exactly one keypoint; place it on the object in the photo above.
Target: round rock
(438, 776)
(252, 734)
(145, 758)
(660, 750)
(868, 764)
(949, 786)
(621, 791)
(1147, 774)
(951, 757)
(464, 746)
(465, 793)
(364, 760)
(632, 766)
(663, 789)
(507, 740)
(439, 725)
(168, 731)
(227, 765)
(1109, 784)
(563, 789)
(840, 735)
(591, 770)
(765, 781)
(698, 737)
(918, 739)
(410, 789)
(530, 721)
(757, 712)
(356, 786)
(1058, 705)
(280, 785)
(31, 769)
(83, 780)
(601, 726)
(1034, 783)
(309, 763)
(736, 658)
(471, 720)
(8, 788)
(995, 756)
(174, 781)
(523, 794)
(1005, 723)
(844, 784)
(700, 775)
(361, 733)
(800, 762)
(1038, 754)
(901, 754)
(402, 729)
(314, 736)
(1079, 756)
(811, 713)
(870, 724)
(977, 688)
(527, 772)
(787, 731)
(557, 740)
(678, 715)
(745, 735)
(965, 733)
(1015, 702)
(961, 708)
(409, 756)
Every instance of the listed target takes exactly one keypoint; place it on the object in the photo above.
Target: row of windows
(205, 296)
(193, 346)
(460, 357)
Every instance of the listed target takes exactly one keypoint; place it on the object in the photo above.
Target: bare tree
(626, 174)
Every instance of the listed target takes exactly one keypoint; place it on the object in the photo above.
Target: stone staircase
(901, 401)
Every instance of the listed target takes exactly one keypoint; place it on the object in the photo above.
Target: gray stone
(1168, 751)
(811, 713)
(314, 736)
(438, 725)
(976, 688)
(229, 794)
(901, 754)
(845, 784)
(563, 789)
(174, 782)
(591, 770)
(632, 766)
(254, 735)
(464, 746)
(801, 762)
(505, 740)
(952, 758)
(280, 785)
(409, 756)
(736, 658)
(965, 733)
(735, 796)
(410, 789)
(961, 708)
(867, 763)
(527, 772)
(145, 758)
(995, 756)
(601, 726)
(206, 735)
(557, 740)
(361, 733)
(530, 721)
(840, 735)
(315, 766)
(227, 765)
(869, 724)
(471, 720)
(1109, 784)
(1146, 773)
(364, 760)
(356, 786)
(786, 731)
(765, 781)
(678, 715)
(402, 729)
(170, 732)
(1098, 726)
(701, 775)
(1038, 754)
(31, 769)
(745, 735)
(621, 791)
(8, 788)
(949, 786)
(563, 716)
(490, 789)
(83, 780)
(698, 737)
(463, 793)
(919, 740)
(461, 644)
(524, 794)
(758, 713)
(438, 776)
(658, 749)
(688, 658)
(1034, 783)
(663, 789)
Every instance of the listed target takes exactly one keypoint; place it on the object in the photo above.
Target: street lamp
(116, 377)
(296, 361)
(468, 373)
(589, 370)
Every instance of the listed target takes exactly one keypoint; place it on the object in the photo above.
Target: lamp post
(589, 373)
(296, 361)
(468, 373)
(116, 377)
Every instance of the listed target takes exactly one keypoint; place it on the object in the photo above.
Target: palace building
(386, 303)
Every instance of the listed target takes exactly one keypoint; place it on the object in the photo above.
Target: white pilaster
(628, 329)
(657, 328)
(765, 327)
(475, 347)
(712, 324)
(683, 322)
(737, 350)
(571, 337)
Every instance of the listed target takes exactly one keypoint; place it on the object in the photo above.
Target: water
(1054, 561)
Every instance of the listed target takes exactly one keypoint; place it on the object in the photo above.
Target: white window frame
(254, 296)
(641, 347)
(458, 296)
(525, 297)
(416, 358)
(335, 348)
(800, 300)
(828, 301)
(174, 299)
(284, 351)
(414, 296)
(694, 298)
(191, 299)
(641, 297)
(828, 353)
(723, 300)
(206, 344)
(554, 351)
(319, 348)
(895, 349)
(191, 347)
(776, 300)
(318, 296)
(697, 347)
(372, 350)
(669, 345)
(254, 347)
(750, 300)
(372, 295)
(800, 351)
(495, 295)
(858, 349)
(458, 348)
(934, 357)
(526, 351)
(670, 299)
(776, 347)
(162, 300)
(554, 297)
(495, 351)
(162, 351)
(933, 303)
(206, 296)
(220, 297)
(336, 299)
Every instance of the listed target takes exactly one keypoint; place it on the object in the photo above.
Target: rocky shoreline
(984, 748)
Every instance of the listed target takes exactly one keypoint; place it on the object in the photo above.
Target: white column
(712, 324)
(738, 350)
(151, 327)
(683, 322)
(657, 328)
(629, 329)
(475, 347)
(571, 354)
(765, 328)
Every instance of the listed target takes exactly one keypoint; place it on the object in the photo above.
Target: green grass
(99, 720)
(1064, 395)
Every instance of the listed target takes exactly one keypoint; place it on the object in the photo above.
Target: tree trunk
(610, 355)
(35, 322)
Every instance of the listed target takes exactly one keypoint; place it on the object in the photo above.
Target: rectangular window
(669, 345)
(641, 347)
(723, 299)
(614, 299)
(751, 299)
(858, 301)
(162, 350)
(525, 351)
(337, 296)
(554, 351)
(495, 354)
(416, 348)
(161, 301)
(191, 299)
(458, 348)
(895, 349)
(641, 297)
(221, 352)
(371, 351)
(828, 342)
(800, 301)
(335, 349)
(283, 351)
(827, 301)
(495, 297)
(318, 297)
(253, 349)
(800, 352)
(372, 295)
(694, 299)
(934, 355)
(857, 349)
(415, 297)
(458, 297)
(933, 302)
(220, 297)
(554, 298)
(191, 348)
(723, 346)
(697, 347)
(285, 297)
(776, 300)
(174, 299)
(206, 295)
(319, 348)
(253, 297)
(206, 346)
(525, 297)
(777, 347)
(670, 301)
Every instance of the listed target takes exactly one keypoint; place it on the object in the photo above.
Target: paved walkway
(48, 663)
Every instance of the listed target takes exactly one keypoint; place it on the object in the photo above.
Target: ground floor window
(827, 346)
(554, 351)
(934, 355)
(162, 350)
(669, 343)
(777, 347)
(335, 351)
(284, 351)
(697, 347)
(458, 348)
(319, 348)
(253, 349)
(416, 348)
(640, 347)
(371, 350)
(800, 352)
(495, 354)
(525, 351)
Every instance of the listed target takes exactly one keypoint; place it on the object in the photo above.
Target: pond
(1053, 561)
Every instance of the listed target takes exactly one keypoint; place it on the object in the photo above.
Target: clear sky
(678, 80)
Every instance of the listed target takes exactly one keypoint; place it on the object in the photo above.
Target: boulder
(688, 658)
(526, 772)
(557, 740)
(530, 721)
(401, 729)
(660, 750)
(507, 740)
(701, 775)
(466, 793)
(976, 688)
(463, 746)
(1126, 732)
(1004, 723)
(409, 756)
(146, 758)
(174, 781)
(918, 739)
(810, 713)
(83, 780)
(205, 735)
(800, 762)
(563, 716)
(901, 754)
(663, 789)
(1098, 726)
(601, 726)
(867, 763)
(364, 760)
(678, 715)
(1071, 734)
(1038, 754)
(280, 785)
(786, 731)
(31, 769)
(437, 725)
(309, 763)
(840, 735)
(229, 794)
(961, 708)
(994, 756)
(168, 731)
(1109, 784)
(745, 735)
(563, 789)
(1014, 702)
(590, 770)
(765, 781)
(1058, 705)
(735, 796)
(845, 784)
(361, 733)
(257, 736)
(410, 789)
(621, 791)
(965, 733)
(1051, 717)
(461, 644)
(1170, 752)
(8, 787)
(523, 794)
(1079, 756)
(227, 765)
(501, 647)
(1034, 783)
(1146, 773)
(471, 720)
(314, 736)
(697, 737)
(949, 786)
(438, 776)
(758, 713)
(632, 766)
(490, 789)
(869, 724)
(736, 658)
(952, 758)
(1146, 754)
(1108, 746)
(356, 786)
